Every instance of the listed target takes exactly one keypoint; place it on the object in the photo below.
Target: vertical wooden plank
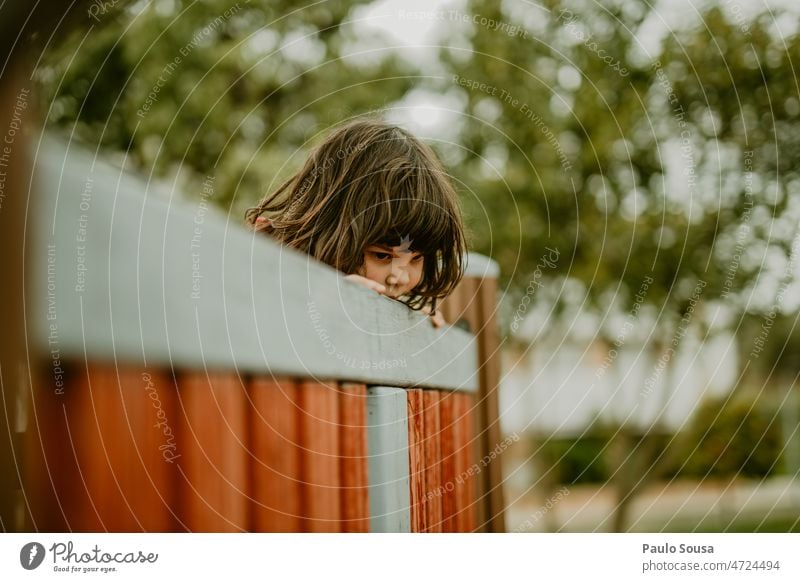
(387, 438)
(462, 304)
(52, 485)
(319, 430)
(490, 484)
(433, 468)
(469, 309)
(450, 438)
(471, 313)
(16, 176)
(133, 423)
(110, 449)
(214, 490)
(468, 470)
(474, 301)
(459, 470)
(353, 453)
(275, 446)
(416, 457)
(452, 304)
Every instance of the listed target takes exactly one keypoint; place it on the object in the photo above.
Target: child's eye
(417, 259)
(382, 256)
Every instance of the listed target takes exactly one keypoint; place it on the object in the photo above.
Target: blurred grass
(789, 524)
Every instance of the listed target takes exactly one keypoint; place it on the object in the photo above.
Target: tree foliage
(231, 89)
(662, 148)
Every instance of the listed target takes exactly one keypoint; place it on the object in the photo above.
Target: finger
(374, 285)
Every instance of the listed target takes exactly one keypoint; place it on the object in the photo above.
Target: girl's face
(398, 268)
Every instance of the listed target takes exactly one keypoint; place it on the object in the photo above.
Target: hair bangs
(418, 203)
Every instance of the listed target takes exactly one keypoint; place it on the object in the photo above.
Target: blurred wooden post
(15, 177)
(473, 305)
(24, 28)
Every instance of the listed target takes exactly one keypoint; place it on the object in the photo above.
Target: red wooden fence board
(275, 445)
(214, 494)
(105, 444)
(458, 498)
(416, 456)
(319, 429)
(127, 451)
(487, 421)
(433, 469)
(354, 455)
(474, 300)
(450, 436)
(53, 488)
(466, 466)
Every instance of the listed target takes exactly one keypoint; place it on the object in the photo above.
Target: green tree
(224, 88)
(635, 166)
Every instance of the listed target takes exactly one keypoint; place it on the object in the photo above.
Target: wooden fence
(186, 375)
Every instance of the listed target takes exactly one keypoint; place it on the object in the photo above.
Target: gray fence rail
(125, 273)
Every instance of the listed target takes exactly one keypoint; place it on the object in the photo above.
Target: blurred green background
(633, 169)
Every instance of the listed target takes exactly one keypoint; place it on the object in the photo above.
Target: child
(374, 202)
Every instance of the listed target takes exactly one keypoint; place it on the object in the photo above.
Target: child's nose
(398, 276)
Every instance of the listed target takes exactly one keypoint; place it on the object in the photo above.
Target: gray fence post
(387, 443)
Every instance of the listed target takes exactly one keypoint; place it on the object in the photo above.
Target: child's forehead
(408, 240)
(389, 247)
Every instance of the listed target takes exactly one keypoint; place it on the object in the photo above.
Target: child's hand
(437, 319)
(369, 283)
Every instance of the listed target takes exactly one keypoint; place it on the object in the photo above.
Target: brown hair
(371, 182)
